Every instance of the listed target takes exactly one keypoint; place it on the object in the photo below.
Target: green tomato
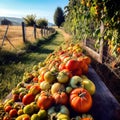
(76, 82)
(62, 77)
(58, 109)
(45, 85)
(42, 114)
(35, 117)
(61, 116)
(89, 86)
(49, 77)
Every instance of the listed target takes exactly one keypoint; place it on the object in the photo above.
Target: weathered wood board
(105, 106)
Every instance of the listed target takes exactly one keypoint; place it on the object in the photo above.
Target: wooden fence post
(23, 31)
(34, 31)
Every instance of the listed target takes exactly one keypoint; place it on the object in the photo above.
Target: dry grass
(15, 36)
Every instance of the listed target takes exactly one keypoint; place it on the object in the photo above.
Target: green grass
(13, 65)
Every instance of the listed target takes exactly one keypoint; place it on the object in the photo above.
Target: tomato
(26, 118)
(76, 81)
(80, 100)
(61, 98)
(89, 86)
(35, 89)
(15, 97)
(72, 64)
(45, 85)
(58, 109)
(56, 87)
(62, 77)
(13, 112)
(6, 118)
(49, 77)
(62, 66)
(87, 60)
(77, 72)
(28, 98)
(23, 117)
(45, 100)
(35, 79)
(86, 117)
(8, 108)
(85, 68)
(42, 114)
(68, 72)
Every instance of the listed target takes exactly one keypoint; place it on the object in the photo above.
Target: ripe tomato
(62, 66)
(45, 100)
(28, 98)
(77, 72)
(72, 65)
(15, 97)
(13, 112)
(87, 60)
(60, 98)
(35, 89)
(35, 79)
(8, 108)
(80, 100)
(6, 118)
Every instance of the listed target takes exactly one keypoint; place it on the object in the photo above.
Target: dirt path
(66, 36)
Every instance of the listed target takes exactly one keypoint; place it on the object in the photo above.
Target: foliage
(30, 20)
(84, 19)
(59, 16)
(41, 23)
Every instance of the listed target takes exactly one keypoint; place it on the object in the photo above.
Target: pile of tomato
(56, 89)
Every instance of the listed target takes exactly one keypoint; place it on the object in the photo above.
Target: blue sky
(21, 8)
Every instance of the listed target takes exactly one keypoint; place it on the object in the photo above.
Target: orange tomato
(80, 100)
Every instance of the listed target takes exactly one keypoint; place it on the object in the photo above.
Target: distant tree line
(30, 20)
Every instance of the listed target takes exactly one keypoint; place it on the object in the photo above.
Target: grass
(15, 36)
(13, 65)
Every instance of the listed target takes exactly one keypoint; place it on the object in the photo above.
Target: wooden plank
(105, 106)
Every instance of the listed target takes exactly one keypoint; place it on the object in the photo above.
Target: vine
(83, 20)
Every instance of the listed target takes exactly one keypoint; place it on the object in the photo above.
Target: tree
(41, 23)
(58, 16)
(30, 20)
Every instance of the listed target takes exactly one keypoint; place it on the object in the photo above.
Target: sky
(40, 8)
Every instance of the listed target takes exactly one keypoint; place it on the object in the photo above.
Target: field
(15, 36)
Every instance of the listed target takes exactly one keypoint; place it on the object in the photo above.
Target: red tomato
(6, 118)
(80, 100)
(77, 72)
(15, 97)
(13, 112)
(72, 65)
(35, 79)
(8, 108)
(60, 98)
(26, 118)
(45, 100)
(28, 98)
(62, 66)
